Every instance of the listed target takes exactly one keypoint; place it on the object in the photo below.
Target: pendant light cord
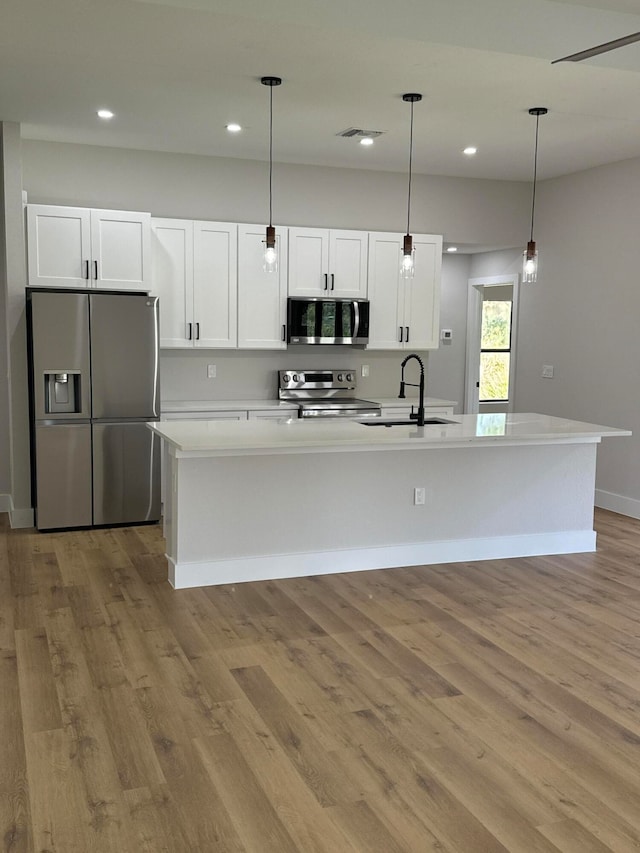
(410, 169)
(270, 155)
(535, 176)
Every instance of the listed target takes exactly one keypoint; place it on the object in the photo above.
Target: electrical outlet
(365, 370)
(547, 371)
(211, 371)
(418, 496)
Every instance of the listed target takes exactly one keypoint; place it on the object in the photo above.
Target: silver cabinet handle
(400, 334)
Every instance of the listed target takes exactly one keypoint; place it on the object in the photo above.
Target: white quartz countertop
(177, 406)
(289, 435)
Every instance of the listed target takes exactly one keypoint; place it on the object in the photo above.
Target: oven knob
(286, 377)
(296, 378)
(340, 377)
(349, 377)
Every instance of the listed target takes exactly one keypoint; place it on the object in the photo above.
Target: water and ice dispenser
(62, 392)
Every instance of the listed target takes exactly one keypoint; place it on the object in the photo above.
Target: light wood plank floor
(487, 706)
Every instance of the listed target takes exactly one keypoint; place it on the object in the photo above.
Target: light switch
(547, 371)
(211, 371)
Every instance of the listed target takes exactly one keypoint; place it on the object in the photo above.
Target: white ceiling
(175, 72)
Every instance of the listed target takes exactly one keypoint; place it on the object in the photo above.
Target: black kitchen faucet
(420, 414)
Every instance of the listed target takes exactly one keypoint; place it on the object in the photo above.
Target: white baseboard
(5, 503)
(21, 518)
(212, 572)
(617, 503)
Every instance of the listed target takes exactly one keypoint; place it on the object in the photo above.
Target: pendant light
(407, 264)
(530, 254)
(270, 247)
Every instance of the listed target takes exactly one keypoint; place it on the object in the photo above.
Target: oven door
(327, 321)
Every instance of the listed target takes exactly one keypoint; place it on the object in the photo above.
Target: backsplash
(252, 375)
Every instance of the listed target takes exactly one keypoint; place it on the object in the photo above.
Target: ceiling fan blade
(599, 48)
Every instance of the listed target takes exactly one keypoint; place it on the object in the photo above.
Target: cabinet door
(386, 292)
(172, 264)
(262, 296)
(348, 264)
(308, 262)
(227, 415)
(121, 249)
(215, 277)
(422, 308)
(58, 245)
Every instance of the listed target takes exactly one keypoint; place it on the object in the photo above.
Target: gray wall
(583, 316)
(236, 190)
(13, 388)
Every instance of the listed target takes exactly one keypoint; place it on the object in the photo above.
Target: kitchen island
(254, 500)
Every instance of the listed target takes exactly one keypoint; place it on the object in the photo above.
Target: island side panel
(251, 513)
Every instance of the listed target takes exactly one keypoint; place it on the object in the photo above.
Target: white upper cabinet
(262, 296)
(215, 284)
(172, 245)
(195, 276)
(81, 247)
(328, 263)
(405, 314)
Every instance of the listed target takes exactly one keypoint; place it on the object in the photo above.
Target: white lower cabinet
(235, 415)
(84, 247)
(405, 411)
(405, 314)
(262, 296)
(271, 414)
(195, 276)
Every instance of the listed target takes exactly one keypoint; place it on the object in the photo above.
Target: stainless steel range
(325, 394)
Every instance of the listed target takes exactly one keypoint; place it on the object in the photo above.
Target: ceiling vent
(358, 133)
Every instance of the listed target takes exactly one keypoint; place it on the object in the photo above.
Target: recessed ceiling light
(452, 249)
(470, 150)
(234, 128)
(367, 140)
(105, 114)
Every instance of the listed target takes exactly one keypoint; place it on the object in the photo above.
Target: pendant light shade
(407, 262)
(530, 254)
(270, 246)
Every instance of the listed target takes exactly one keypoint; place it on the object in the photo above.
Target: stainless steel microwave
(312, 320)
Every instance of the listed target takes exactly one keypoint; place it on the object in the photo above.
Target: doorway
(492, 311)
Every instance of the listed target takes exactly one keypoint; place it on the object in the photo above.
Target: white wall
(583, 317)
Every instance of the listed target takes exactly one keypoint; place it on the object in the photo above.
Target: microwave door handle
(356, 319)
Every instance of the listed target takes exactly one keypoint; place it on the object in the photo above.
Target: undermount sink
(406, 422)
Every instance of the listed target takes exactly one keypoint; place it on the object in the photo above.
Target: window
(495, 349)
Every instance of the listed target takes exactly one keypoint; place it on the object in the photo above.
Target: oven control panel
(317, 380)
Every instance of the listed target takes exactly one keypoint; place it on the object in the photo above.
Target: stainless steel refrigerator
(94, 383)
